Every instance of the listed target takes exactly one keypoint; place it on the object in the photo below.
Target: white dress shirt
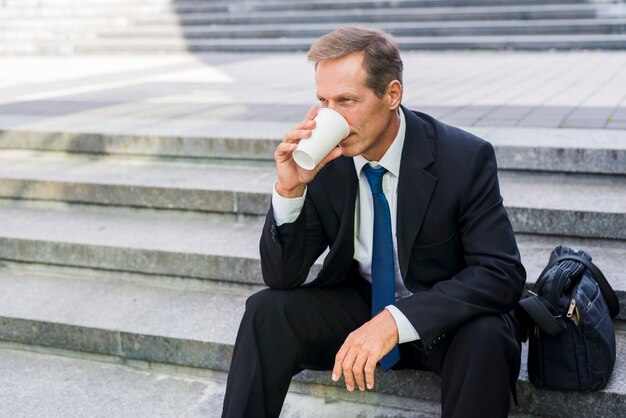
(287, 211)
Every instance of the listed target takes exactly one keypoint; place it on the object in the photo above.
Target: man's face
(341, 86)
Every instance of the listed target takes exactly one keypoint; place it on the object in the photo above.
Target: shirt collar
(391, 160)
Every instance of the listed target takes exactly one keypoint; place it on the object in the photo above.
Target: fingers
(347, 367)
(363, 348)
(356, 364)
(283, 151)
(343, 362)
(358, 372)
(337, 370)
(370, 367)
(303, 129)
(362, 370)
(311, 115)
(291, 178)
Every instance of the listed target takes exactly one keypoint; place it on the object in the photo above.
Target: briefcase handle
(606, 289)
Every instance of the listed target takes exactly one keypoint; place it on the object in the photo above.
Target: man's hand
(364, 347)
(291, 177)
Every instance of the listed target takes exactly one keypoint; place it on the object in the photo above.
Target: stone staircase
(131, 204)
(144, 247)
(162, 26)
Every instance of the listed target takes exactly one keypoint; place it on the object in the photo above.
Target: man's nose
(333, 105)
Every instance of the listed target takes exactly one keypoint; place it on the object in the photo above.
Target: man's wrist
(290, 193)
(385, 317)
(406, 330)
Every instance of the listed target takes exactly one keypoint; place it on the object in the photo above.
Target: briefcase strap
(543, 314)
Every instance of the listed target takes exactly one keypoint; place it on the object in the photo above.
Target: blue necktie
(383, 276)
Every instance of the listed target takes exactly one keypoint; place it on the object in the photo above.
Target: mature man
(422, 263)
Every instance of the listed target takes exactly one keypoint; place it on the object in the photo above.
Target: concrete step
(65, 23)
(180, 244)
(185, 9)
(555, 150)
(403, 14)
(97, 386)
(570, 205)
(195, 6)
(53, 32)
(398, 29)
(418, 24)
(184, 6)
(553, 204)
(186, 139)
(314, 3)
(196, 329)
(122, 27)
(136, 183)
(209, 249)
(39, 383)
(85, 11)
(417, 14)
(187, 6)
(169, 46)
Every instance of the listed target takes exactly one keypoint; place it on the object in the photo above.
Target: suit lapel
(342, 196)
(342, 185)
(415, 186)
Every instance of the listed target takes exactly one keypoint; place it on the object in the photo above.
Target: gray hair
(381, 61)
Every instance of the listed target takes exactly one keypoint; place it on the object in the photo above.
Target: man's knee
(266, 304)
(487, 352)
(488, 335)
(261, 299)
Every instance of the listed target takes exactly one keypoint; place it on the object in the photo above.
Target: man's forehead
(339, 88)
(349, 62)
(340, 75)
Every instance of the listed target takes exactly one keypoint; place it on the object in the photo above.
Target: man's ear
(394, 94)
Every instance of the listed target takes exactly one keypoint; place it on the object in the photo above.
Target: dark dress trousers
(457, 255)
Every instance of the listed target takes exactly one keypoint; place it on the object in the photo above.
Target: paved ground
(544, 89)
(36, 384)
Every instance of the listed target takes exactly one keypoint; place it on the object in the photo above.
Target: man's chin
(347, 154)
(348, 151)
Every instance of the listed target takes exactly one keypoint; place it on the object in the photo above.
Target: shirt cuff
(286, 210)
(406, 331)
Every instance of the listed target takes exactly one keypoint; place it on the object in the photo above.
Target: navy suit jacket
(456, 246)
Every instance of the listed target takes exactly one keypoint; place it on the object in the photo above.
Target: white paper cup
(330, 129)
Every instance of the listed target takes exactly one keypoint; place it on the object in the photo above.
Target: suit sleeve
(288, 251)
(493, 278)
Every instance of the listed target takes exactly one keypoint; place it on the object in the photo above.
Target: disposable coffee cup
(330, 129)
